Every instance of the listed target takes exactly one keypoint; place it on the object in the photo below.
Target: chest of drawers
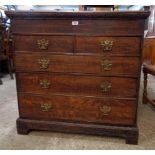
(78, 72)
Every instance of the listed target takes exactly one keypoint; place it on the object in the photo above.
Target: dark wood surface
(69, 63)
(111, 27)
(122, 46)
(80, 14)
(24, 126)
(76, 108)
(77, 85)
(63, 44)
(148, 69)
(78, 95)
(149, 50)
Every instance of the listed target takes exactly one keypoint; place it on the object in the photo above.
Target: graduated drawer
(44, 43)
(82, 109)
(77, 64)
(77, 85)
(108, 45)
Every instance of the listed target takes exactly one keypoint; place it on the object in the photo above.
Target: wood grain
(56, 44)
(77, 85)
(81, 109)
(121, 45)
(77, 64)
(86, 26)
(149, 50)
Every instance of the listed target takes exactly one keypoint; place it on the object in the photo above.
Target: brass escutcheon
(45, 83)
(42, 44)
(107, 45)
(106, 87)
(106, 65)
(105, 110)
(45, 107)
(44, 63)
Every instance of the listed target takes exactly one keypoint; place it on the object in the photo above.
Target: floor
(9, 139)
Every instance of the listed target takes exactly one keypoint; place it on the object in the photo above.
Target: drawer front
(77, 64)
(57, 44)
(77, 85)
(83, 109)
(109, 45)
(85, 26)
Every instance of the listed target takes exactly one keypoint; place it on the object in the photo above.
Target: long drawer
(77, 64)
(44, 43)
(77, 85)
(83, 109)
(108, 45)
(81, 26)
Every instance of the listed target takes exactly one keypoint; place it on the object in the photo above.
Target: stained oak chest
(78, 72)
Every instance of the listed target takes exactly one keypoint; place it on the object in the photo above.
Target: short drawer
(77, 85)
(77, 64)
(81, 109)
(55, 44)
(108, 45)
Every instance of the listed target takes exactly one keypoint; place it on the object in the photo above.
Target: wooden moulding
(81, 14)
(24, 126)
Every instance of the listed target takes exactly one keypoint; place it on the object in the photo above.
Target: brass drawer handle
(44, 63)
(45, 83)
(105, 110)
(106, 87)
(106, 45)
(45, 107)
(106, 65)
(42, 44)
